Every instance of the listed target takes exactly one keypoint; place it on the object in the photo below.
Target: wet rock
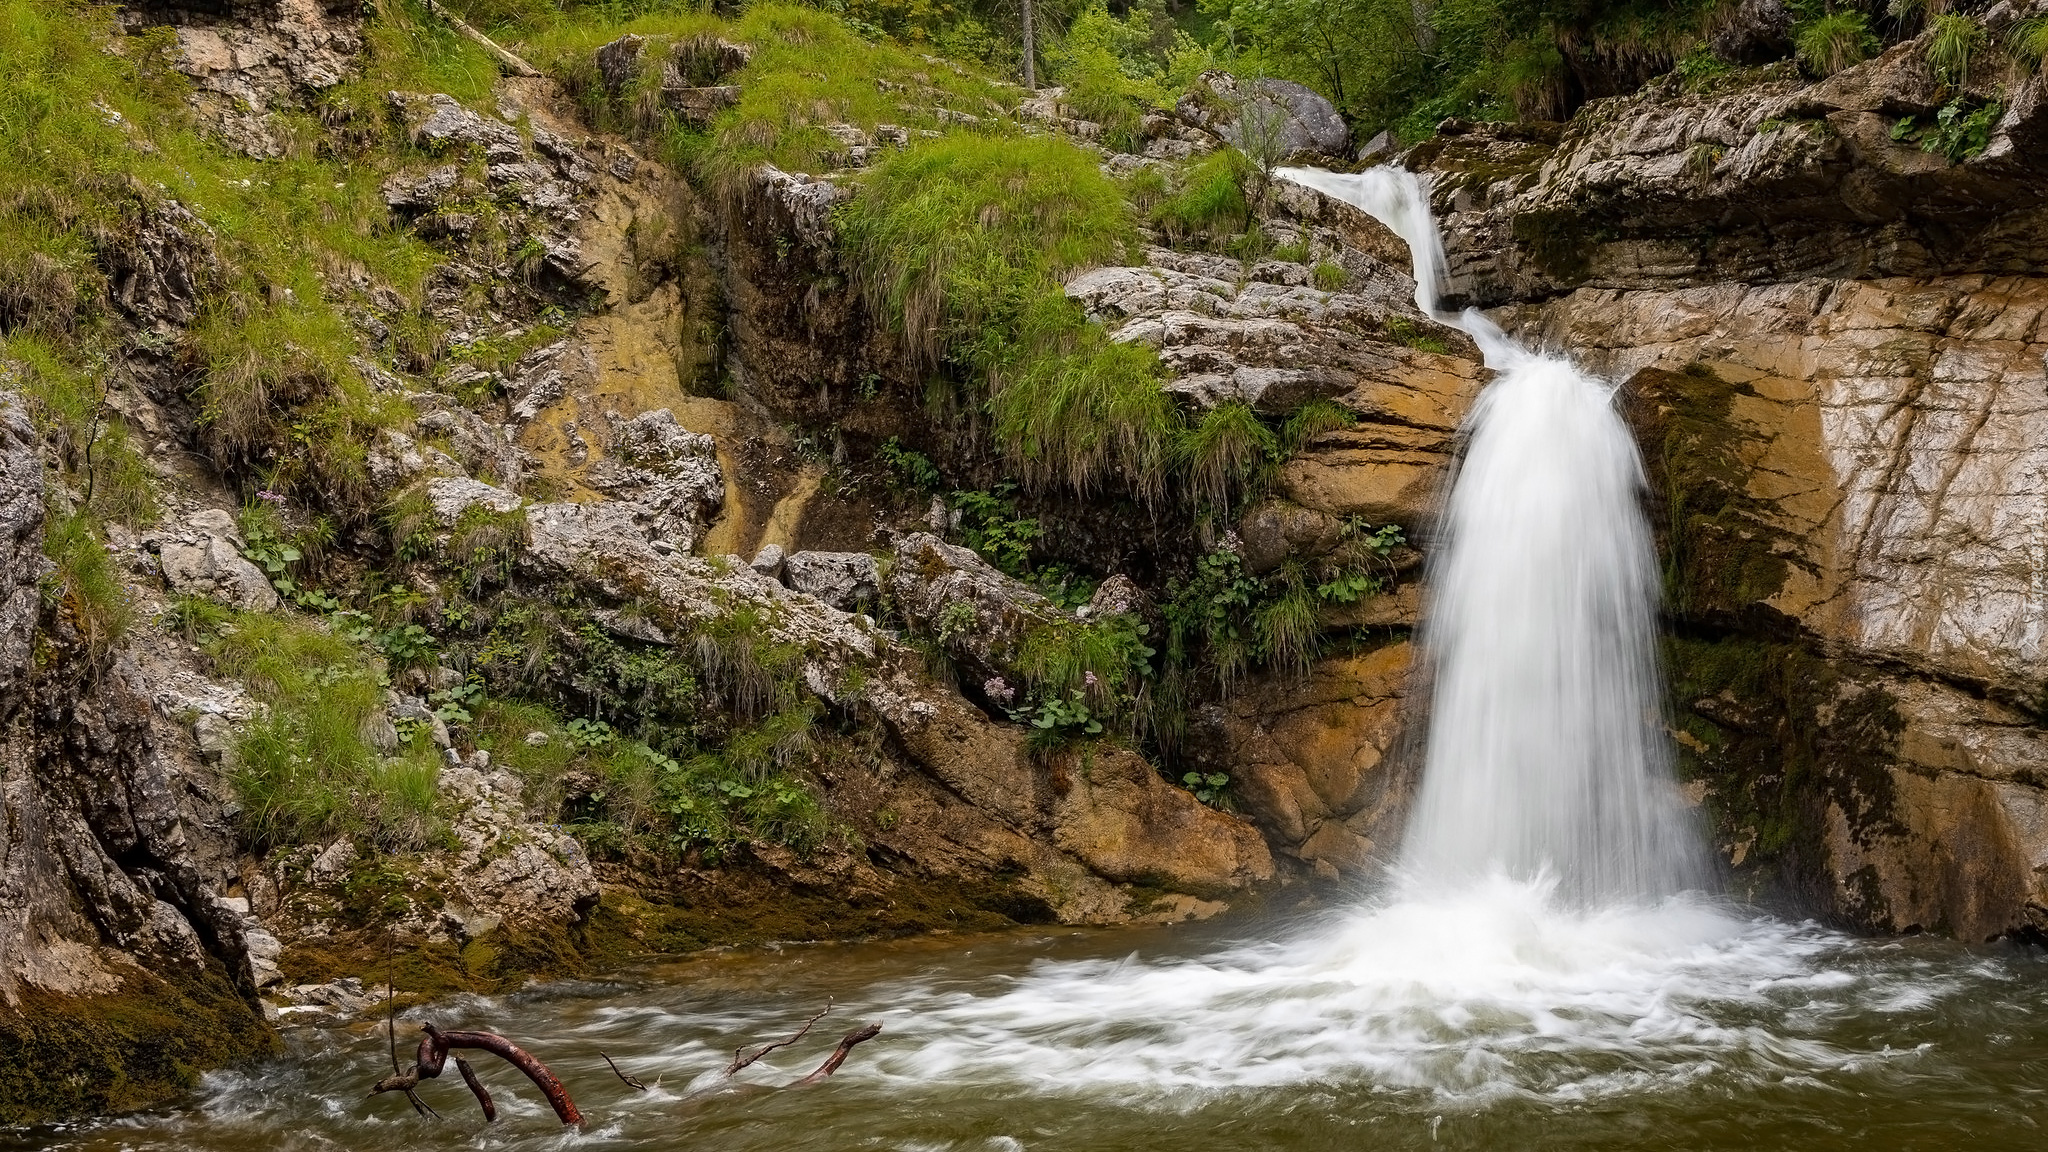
(203, 557)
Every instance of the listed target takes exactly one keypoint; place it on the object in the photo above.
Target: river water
(1493, 1021)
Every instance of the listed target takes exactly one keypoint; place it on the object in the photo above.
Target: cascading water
(1546, 751)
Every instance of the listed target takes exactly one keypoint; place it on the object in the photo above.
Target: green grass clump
(2028, 41)
(1827, 44)
(1955, 40)
(964, 243)
(1313, 419)
(305, 770)
(1210, 203)
(1227, 454)
(1085, 411)
(955, 237)
(83, 584)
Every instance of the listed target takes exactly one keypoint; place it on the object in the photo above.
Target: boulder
(979, 616)
(842, 579)
(1279, 117)
(439, 122)
(204, 558)
(451, 496)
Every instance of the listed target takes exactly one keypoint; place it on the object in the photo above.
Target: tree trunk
(1031, 51)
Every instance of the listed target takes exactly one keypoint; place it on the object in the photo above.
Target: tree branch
(838, 1056)
(739, 1062)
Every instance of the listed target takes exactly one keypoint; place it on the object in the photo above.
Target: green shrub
(1827, 44)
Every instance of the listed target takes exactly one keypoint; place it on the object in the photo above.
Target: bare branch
(483, 1097)
(433, 1054)
(838, 1057)
(630, 1081)
(739, 1061)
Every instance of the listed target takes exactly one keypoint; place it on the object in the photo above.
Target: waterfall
(1546, 752)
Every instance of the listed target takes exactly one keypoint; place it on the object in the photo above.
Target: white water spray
(1546, 750)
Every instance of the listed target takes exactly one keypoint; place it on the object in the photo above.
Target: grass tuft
(1837, 40)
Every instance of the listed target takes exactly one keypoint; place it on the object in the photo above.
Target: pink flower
(999, 690)
(1088, 678)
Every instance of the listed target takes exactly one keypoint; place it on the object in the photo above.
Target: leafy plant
(587, 733)
(912, 470)
(1959, 130)
(990, 524)
(1210, 788)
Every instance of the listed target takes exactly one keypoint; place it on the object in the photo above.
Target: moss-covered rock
(143, 1045)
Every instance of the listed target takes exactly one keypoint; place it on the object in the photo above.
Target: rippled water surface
(1485, 1019)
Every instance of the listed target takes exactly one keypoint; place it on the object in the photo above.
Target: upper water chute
(1547, 756)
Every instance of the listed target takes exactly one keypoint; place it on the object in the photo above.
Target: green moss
(71, 1056)
(1779, 734)
(1559, 241)
(1723, 556)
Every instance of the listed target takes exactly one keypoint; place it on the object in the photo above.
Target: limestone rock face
(841, 579)
(262, 58)
(509, 866)
(1773, 181)
(1317, 764)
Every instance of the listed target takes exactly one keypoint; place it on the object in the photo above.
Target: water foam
(1493, 990)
